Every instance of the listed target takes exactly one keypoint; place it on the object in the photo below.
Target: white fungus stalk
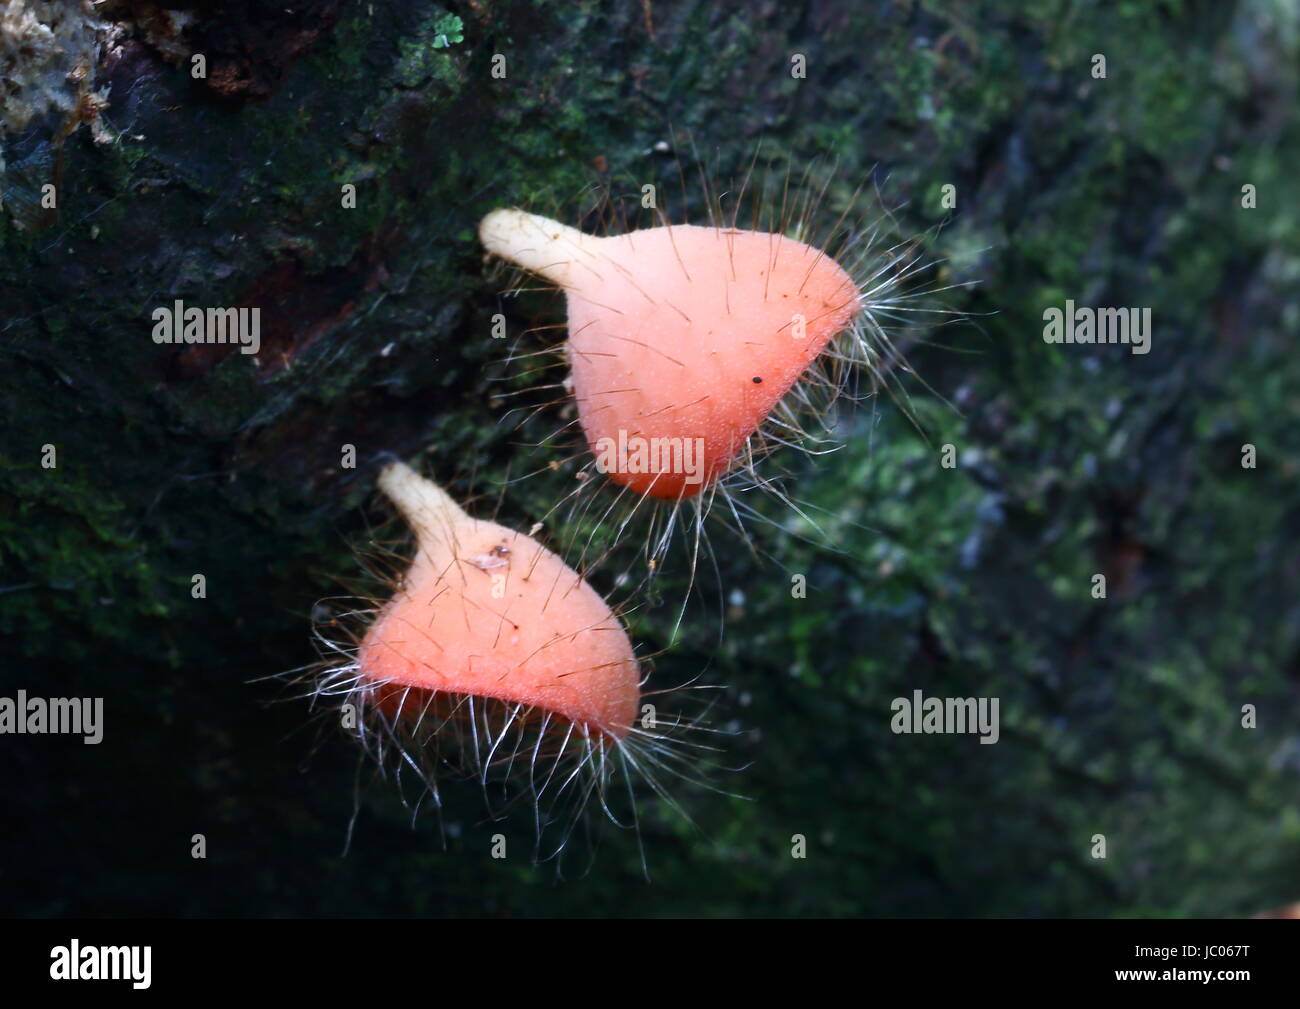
(538, 244)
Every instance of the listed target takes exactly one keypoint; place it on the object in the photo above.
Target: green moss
(420, 60)
(1119, 715)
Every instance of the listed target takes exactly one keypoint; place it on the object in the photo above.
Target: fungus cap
(682, 339)
(487, 612)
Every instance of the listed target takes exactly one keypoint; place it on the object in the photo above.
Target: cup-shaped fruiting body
(487, 614)
(682, 339)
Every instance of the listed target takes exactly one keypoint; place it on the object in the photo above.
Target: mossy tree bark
(1120, 716)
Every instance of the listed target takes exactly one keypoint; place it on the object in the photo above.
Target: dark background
(1120, 717)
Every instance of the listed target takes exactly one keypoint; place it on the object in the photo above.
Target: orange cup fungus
(485, 614)
(682, 339)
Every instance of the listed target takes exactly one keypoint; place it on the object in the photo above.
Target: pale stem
(538, 244)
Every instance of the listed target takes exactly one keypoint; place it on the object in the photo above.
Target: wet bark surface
(1120, 717)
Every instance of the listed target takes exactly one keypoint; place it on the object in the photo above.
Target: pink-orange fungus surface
(682, 339)
(486, 612)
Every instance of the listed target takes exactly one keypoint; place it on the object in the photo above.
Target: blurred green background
(1119, 717)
